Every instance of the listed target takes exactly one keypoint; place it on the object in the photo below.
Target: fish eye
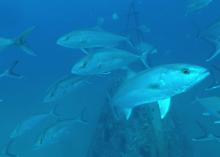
(185, 71)
(83, 65)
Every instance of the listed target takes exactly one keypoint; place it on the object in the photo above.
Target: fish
(55, 132)
(105, 61)
(158, 84)
(64, 86)
(196, 5)
(6, 151)
(91, 38)
(30, 123)
(212, 35)
(9, 72)
(20, 42)
(211, 104)
(206, 136)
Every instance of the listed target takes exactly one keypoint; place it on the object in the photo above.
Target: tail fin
(21, 42)
(144, 59)
(10, 72)
(53, 112)
(7, 151)
(81, 117)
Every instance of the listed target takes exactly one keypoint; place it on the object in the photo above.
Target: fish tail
(144, 58)
(215, 54)
(10, 72)
(54, 113)
(21, 42)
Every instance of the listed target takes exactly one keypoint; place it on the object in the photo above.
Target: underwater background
(171, 31)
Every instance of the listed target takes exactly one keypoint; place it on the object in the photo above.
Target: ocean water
(172, 32)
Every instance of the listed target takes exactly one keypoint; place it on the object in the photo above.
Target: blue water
(173, 33)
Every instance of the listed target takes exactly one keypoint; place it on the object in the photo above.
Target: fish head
(182, 77)
(72, 40)
(84, 67)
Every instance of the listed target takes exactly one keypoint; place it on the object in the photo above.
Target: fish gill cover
(128, 78)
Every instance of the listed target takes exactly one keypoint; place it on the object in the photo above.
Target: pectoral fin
(127, 112)
(164, 106)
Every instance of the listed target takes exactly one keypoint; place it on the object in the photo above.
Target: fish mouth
(204, 74)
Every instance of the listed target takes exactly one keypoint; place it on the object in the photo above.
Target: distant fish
(206, 136)
(29, 124)
(64, 86)
(195, 5)
(144, 29)
(19, 42)
(212, 104)
(10, 72)
(54, 133)
(91, 38)
(6, 151)
(212, 34)
(105, 61)
(115, 16)
(157, 84)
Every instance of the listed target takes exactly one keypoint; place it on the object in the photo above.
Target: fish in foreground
(157, 84)
(29, 124)
(212, 34)
(212, 105)
(195, 5)
(91, 38)
(20, 42)
(106, 60)
(54, 133)
(64, 86)
(10, 72)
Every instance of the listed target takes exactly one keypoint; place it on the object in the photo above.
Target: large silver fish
(19, 42)
(158, 84)
(64, 86)
(91, 38)
(105, 61)
(212, 34)
(195, 5)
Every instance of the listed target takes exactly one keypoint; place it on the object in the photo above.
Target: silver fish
(64, 86)
(20, 42)
(158, 84)
(195, 5)
(106, 60)
(29, 124)
(91, 38)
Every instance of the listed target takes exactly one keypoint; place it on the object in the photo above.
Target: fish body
(104, 61)
(158, 84)
(94, 38)
(20, 42)
(64, 86)
(196, 5)
(212, 104)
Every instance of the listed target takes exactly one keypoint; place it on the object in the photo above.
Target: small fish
(206, 136)
(212, 104)
(105, 61)
(64, 86)
(144, 29)
(195, 5)
(115, 16)
(157, 84)
(19, 42)
(212, 34)
(91, 38)
(54, 133)
(10, 72)
(6, 151)
(29, 124)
